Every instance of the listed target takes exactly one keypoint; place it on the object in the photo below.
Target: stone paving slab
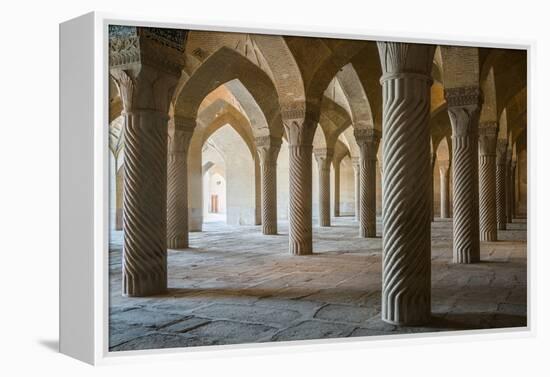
(235, 285)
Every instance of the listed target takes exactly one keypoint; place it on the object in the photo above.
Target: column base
(177, 243)
(414, 314)
(465, 258)
(269, 230)
(301, 248)
(488, 236)
(143, 289)
(367, 233)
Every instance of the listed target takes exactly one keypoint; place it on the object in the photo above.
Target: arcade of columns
(403, 98)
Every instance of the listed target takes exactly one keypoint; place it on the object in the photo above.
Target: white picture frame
(84, 165)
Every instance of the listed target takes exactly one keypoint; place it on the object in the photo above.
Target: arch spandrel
(224, 66)
(319, 138)
(333, 118)
(367, 65)
(349, 140)
(516, 109)
(215, 116)
(460, 66)
(340, 151)
(360, 108)
(509, 72)
(336, 93)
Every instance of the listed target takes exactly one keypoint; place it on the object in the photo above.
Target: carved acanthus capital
(463, 105)
(179, 140)
(488, 138)
(184, 123)
(368, 141)
(508, 155)
(463, 96)
(355, 163)
(126, 86)
(406, 60)
(324, 157)
(268, 149)
(300, 132)
(501, 147)
(131, 46)
(123, 46)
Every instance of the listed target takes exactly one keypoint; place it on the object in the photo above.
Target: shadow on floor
(52, 345)
(468, 321)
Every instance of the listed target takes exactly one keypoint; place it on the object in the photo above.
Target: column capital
(487, 138)
(463, 96)
(463, 105)
(300, 119)
(501, 147)
(179, 140)
(324, 157)
(130, 47)
(268, 149)
(184, 123)
(368, 141)
(146, 64)
(508, 155)
(406, 60)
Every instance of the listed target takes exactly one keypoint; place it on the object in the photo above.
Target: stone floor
(237, 286)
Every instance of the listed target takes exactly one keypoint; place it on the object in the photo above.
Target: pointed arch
(254, 87)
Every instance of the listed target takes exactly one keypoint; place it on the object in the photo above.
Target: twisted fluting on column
(509, 183)
(324, 159)
(406, 270)
(144, 208)
(433, 157)
(513, 190)
(177, 235)
(336, 167)
(367, 140)
(268, 151)
(299, 216)
(356, 178)
(501, 183)
(487, 182)
(146, 86)
(444, 189)
(463, 107)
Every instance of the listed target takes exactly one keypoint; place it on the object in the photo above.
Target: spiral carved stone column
(487, 182)
(177, 235)
(146, 84)
(509, 180)
(336, 167)
(444, 189)
(268, 151)
(433, 158)
(406, 270)
(299, 216)
(463, 107)
(501, 183)
(144, 207)
(324, 160)
(367, 140)
(513, 190)
(356, 177)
